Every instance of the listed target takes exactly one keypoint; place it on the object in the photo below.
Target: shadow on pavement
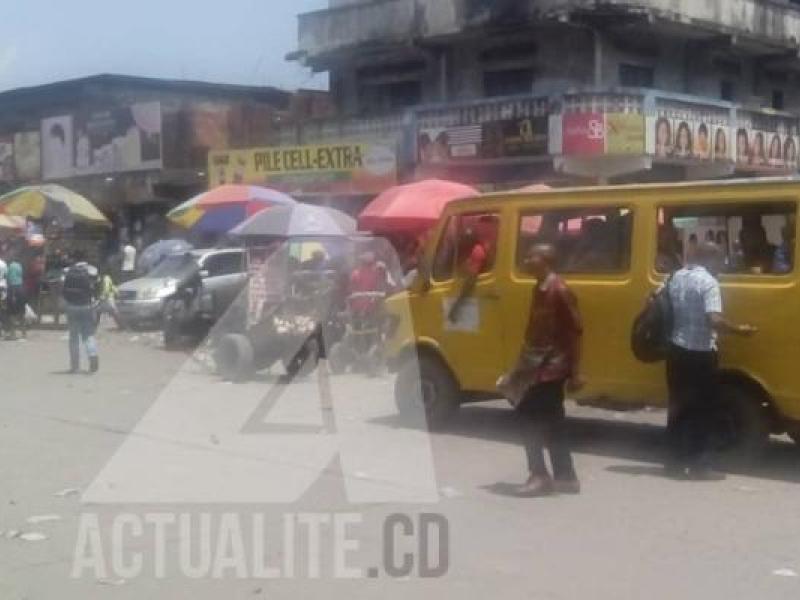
(639, 442)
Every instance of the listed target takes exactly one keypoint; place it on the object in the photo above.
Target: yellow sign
(624, 133)
(348, 168)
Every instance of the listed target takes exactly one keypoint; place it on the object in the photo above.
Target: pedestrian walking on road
(692, 362)
(15, 302)
(107, 304)
(548, 365)
(80, 294)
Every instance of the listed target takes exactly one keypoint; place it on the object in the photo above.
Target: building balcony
(764, 25)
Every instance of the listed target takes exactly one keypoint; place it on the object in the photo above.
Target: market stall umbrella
(155, 253)
(300, 220)
(224, 207)
(51, 202)
(413, 207)
(12, 223)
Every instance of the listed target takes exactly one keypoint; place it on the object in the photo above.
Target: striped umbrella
(51, 202)
(220, 209)
(300, 220)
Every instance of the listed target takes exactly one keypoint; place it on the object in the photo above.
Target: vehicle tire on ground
(339, 358)
(795, 435)
(426, 387)
(744, 424)
(234, 358)
(305, 361)
(171, 335)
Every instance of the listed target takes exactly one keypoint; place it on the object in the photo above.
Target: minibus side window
(587, 240)
(445, 259)
(468, 245)
(755, 239)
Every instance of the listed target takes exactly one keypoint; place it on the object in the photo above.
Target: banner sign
(682, 130)
(596, 133)
(490, 130)
(27, 156)
(766, 142)
(7, 171)
(102, 141)
(347, 168)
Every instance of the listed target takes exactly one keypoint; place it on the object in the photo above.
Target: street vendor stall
(64, 221)
(297, 264)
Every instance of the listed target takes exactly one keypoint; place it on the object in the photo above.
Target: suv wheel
(745, 426)
(234, 358)
(795, 435)
(170, 331)
(427, 387)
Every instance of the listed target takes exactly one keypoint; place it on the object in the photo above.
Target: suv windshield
(174, 266)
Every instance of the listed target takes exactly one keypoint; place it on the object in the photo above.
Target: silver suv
(217, 274)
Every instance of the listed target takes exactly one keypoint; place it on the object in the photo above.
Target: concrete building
(519, 90)
(134, 146)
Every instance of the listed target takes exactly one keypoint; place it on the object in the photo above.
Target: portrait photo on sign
(57, 147)
(721, 151)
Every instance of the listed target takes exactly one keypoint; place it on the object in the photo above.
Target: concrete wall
(349, 22)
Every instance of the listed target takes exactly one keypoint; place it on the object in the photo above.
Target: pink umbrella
(413, 207)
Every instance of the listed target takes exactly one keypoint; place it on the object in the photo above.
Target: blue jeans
(80, 320)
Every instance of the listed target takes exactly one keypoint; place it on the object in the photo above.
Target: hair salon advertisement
(753, 140)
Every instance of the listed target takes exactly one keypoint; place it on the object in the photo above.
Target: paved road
(630, 535)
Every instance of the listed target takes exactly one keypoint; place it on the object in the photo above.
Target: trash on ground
(450, 492)
(32, 536)
(42, 519)
(785, 573)
(67, 492)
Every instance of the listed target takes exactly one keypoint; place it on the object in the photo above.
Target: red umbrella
(412, 207)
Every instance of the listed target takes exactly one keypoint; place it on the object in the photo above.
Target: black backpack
(652, 329)
(79, 286)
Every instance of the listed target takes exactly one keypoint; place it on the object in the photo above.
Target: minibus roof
(600, 189)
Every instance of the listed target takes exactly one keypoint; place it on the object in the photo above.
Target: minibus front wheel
(744, 422)
(795, 435)
(425, 389)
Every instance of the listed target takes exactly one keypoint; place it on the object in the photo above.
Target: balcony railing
(387, 128)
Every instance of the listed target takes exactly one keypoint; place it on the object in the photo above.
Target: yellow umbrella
(7, 222)
(51, 201)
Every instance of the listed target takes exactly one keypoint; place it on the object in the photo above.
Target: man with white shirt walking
(692, 364)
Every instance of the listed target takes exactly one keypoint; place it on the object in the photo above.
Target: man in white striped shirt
(692, 362)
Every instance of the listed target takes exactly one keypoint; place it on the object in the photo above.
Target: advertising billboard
(346, 168)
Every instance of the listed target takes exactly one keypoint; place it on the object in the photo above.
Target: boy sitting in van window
(475, 249)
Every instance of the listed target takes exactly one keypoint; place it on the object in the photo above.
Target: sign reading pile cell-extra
(347, 168)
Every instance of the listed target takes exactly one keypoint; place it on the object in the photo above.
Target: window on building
(591, 240)
(727, 91)
(508, 82)
(468, 245)
(756, 239)
(383, 98)
(777, 99)
(636, 76)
